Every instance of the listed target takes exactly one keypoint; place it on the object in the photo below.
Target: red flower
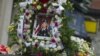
(27, 13)
(36, 45)
(3, 49)
(2, 46)
(44, 1)
(53, 40)
(56, 24)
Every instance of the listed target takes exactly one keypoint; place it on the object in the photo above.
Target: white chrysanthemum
(61, 2)
(78, 40)
(33, 43)
(46, 48)
(86, 46)
(59, 48)
(30, 39)
(55, 4)
(22, 4)
(42, 44)
(47, 42)
(45, 5)
(27, 26)
(53, 45)
(82, 40)
(81, 50)
(28, 31)
(73, 38)
(30, 21)
(55, 49)
(36, 41)
(59, 9)
(51, 49)
(27, 44)
(20, 41)
(37, 0)
(30, 16)
(91, 52)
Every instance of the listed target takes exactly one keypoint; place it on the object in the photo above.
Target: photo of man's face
(44, 31)
(46, 26)
(42, 26)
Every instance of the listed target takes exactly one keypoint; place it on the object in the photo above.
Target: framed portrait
(41, 26)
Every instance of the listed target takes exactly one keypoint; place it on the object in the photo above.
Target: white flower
(86, 46)
(47, 42)
(61, 2)
(46, 48)
(59, 9)
(52, 45)
(36, 41)
(34, 2)
(22, 17)
(59, 48)
(37, 0)
(26, 26)
(78, 40)
(81, 50)
(30, 21)
(20, 41)
(56, 16)
(54, 31)
(42, 44)
(91, 52)
(27, 44)
(45, 5)
(55, 49)
(22, 4)
(33, 43)
(30, 39)
(54, 4)
(28, 17)
(73, 38)
(28, 31)
(27, 11)
(82, 40)
(51, 49)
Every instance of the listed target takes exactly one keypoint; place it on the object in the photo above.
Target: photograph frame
(42, 19)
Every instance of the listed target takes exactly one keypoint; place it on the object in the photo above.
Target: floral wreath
(21, 30)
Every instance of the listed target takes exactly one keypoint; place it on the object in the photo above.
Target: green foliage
(67, 32)
(68, 6)
(12, 29)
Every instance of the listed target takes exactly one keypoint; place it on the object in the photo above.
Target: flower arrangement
(21, 30)
(29, 21)
(4, 49)
(84, 48)
(38, 47)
